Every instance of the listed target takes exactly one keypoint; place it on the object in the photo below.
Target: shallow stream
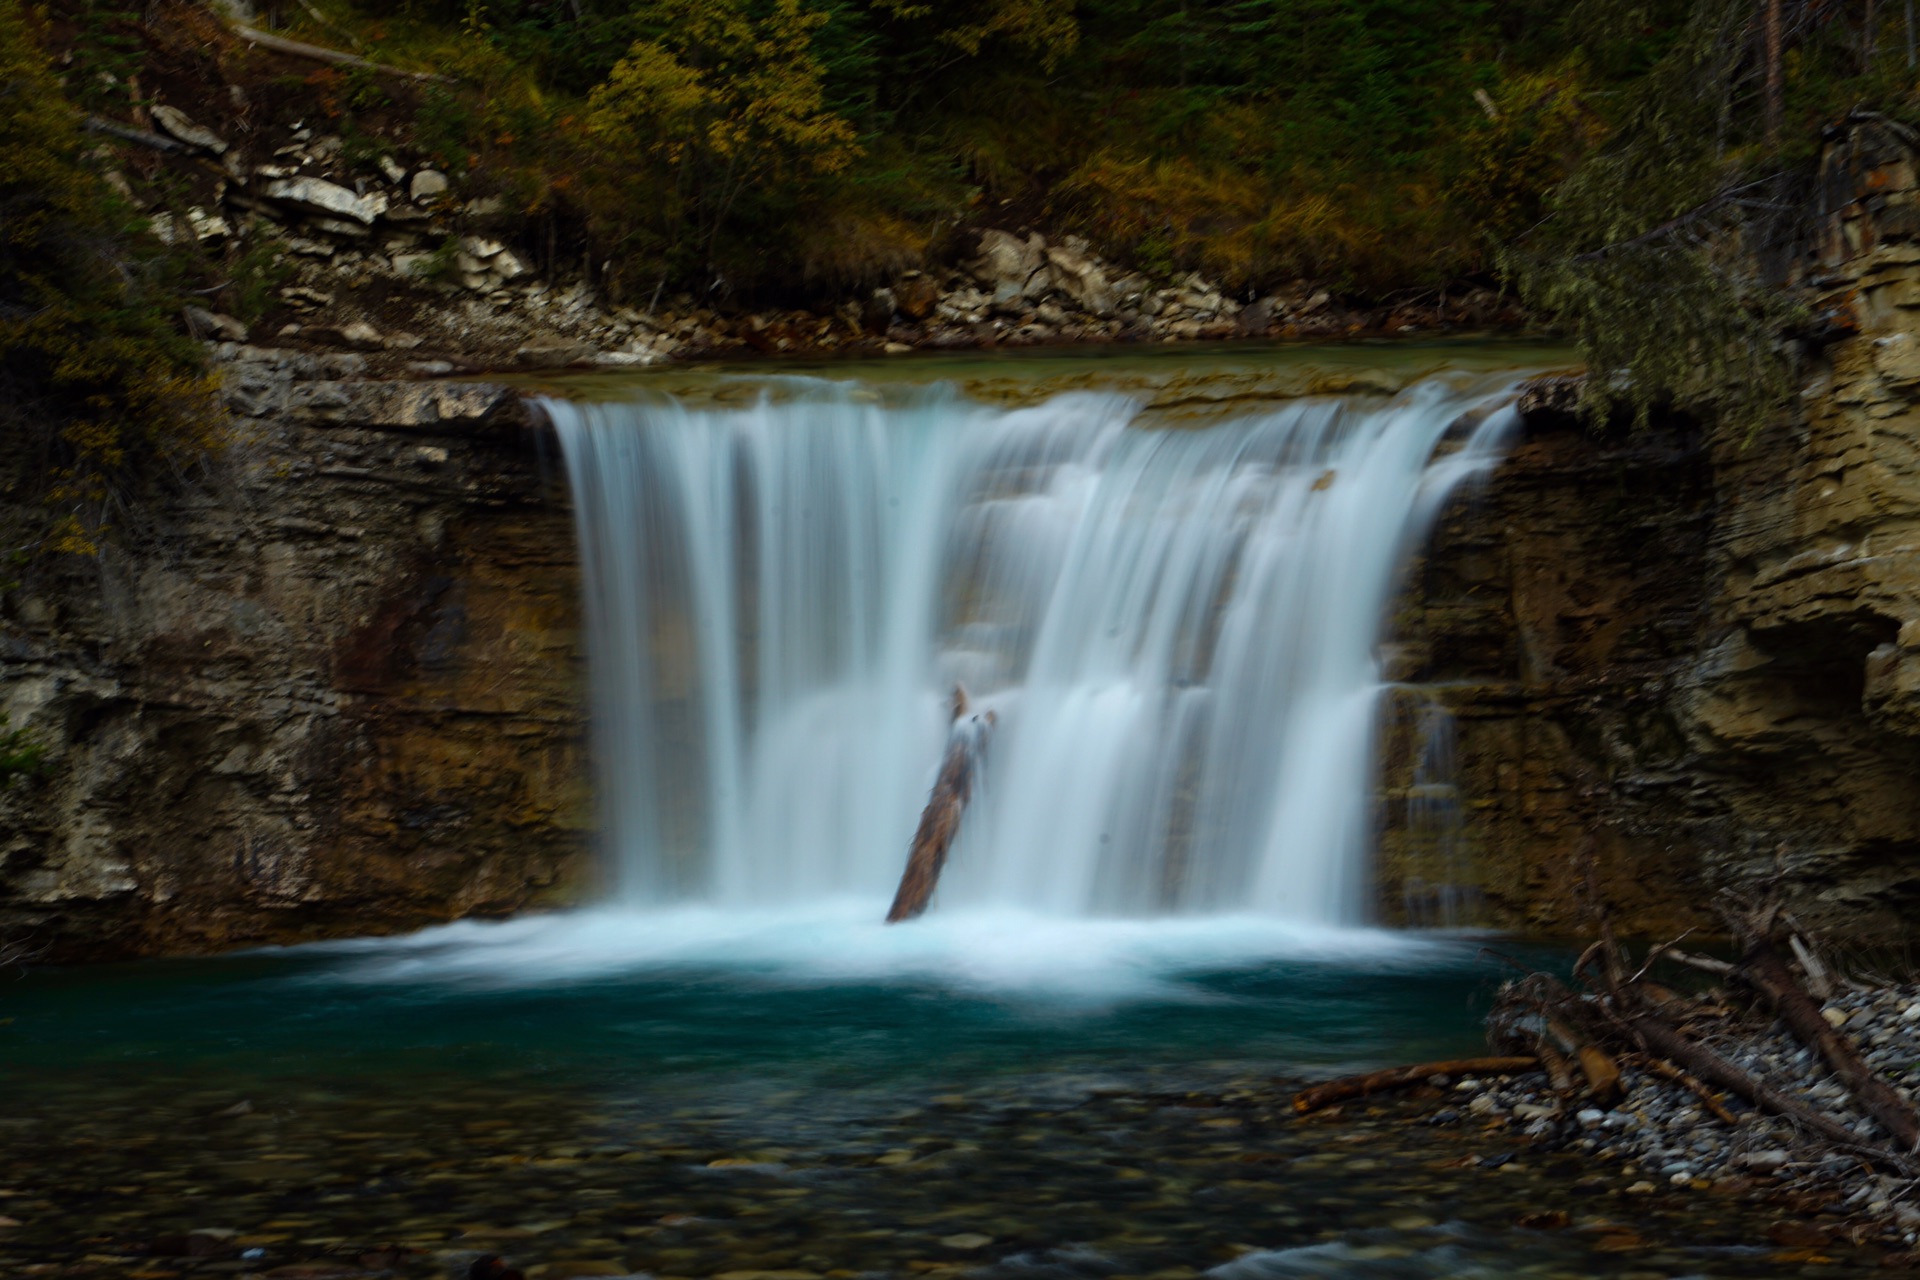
(807, 1095)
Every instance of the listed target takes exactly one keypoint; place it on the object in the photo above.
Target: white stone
(394, 170)
(317, 195)
(175, 122)
(1762, 1161)
(361, 334)
(428, 184)
(208, 226)
(507, 265)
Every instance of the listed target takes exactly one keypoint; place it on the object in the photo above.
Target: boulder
(916, 295)
(326, 199)
(203, 323)
(1079, 275)
(428, 184)
(506, 265)
(1005, 258)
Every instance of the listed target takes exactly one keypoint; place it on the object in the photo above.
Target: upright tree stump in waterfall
(940, 820)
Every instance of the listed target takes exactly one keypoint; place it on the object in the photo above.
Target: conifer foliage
(99, 387)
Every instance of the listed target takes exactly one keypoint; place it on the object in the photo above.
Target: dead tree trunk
(1349, 1087)
(940, 820)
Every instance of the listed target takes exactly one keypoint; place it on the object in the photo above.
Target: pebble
(1662, 1126)
(967, 1240)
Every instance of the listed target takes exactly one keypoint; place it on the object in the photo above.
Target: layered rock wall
(332, 686)
(1691, 660)
(335, 685)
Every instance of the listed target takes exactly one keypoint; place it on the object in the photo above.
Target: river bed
(1080, 1100)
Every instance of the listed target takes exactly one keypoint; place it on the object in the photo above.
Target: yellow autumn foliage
(725, 111)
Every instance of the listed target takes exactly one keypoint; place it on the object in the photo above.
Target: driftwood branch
(335, 57)
(127, 133)
(1708, 1099)
(1348, 1088)
(940, 820)
(1765, 969)
(1704, 1064)
(1705, 964)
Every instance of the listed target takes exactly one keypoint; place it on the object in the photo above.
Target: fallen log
(318, 53)
(940, 820)
(1349, 1087)
(1704, 1064)
(1765, 970)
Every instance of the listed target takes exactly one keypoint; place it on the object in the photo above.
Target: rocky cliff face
(335, 686)
(332, 687)
(1693, 658)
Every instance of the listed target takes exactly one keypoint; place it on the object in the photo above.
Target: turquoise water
(686, 1096)
(689, 998)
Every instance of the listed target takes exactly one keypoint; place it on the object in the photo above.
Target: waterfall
(1174, 625)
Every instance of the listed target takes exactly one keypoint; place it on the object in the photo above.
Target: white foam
(1176, 629)
(844, 942)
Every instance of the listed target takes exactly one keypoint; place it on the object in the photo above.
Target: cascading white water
(1175, 626)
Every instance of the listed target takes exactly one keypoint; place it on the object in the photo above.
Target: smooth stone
(967, 1240)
